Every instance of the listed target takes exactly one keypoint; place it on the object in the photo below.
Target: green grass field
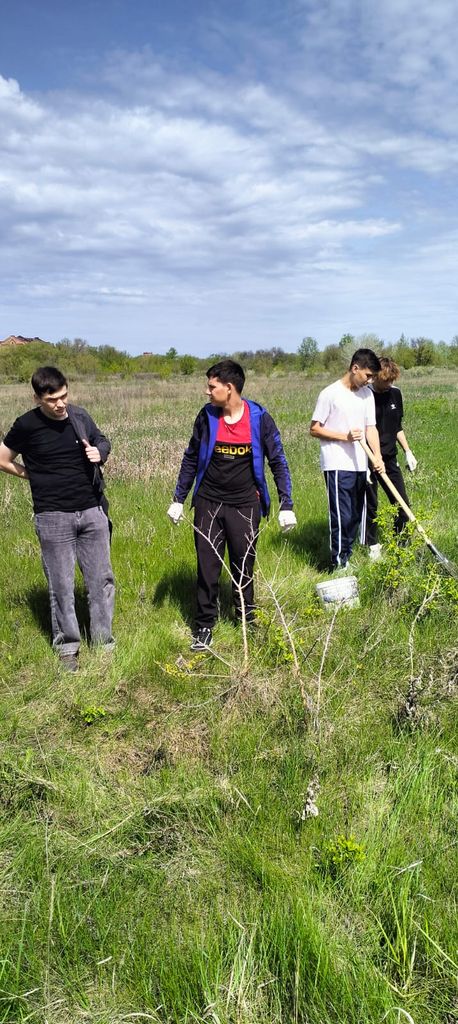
(158, 861)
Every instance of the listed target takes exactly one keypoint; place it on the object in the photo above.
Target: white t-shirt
(340, 409)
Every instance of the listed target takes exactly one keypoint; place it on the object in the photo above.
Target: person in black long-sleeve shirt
(389, 411)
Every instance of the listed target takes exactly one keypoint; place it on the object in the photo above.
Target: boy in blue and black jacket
(230, 441)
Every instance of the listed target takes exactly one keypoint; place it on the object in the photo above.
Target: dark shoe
(202, 639)
(69, 662)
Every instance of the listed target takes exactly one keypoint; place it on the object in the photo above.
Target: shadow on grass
(179, 588)
(311, 541)
(37, 599)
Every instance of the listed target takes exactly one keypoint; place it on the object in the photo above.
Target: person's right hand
(175, 512)
(355, 434)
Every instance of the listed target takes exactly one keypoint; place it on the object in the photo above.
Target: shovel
(449, 567)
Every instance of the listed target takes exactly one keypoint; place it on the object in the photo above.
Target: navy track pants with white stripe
(346, 494)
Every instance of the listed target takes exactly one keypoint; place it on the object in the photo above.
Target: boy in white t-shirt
(345, 412)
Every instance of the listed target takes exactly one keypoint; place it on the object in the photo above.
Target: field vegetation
(217, 838)
(78, 358)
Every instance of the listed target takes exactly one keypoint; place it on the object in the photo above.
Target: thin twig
(283, 621)
(237, 583)
(47, 984)
(426, 600)
(323, 659)
(202, 704)
(306, 698)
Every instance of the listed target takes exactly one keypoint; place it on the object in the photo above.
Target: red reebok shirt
(229, 476)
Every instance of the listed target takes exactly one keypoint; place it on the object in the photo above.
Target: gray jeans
(83, 537)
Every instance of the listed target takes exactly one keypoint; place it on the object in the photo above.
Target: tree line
(79, 359)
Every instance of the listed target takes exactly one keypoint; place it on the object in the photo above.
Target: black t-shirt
(60, 474)
(229, 476)
(388, 417)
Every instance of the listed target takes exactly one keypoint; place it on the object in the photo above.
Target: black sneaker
(69, 662)
(202, 639)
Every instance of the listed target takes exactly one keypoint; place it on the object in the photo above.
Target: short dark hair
(228, 372)
(48, 379)
(366, 360)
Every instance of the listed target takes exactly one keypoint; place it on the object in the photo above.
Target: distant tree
(347, 340)
(453, 351)
(403, 354)
(307, 352)
(187, 365)
(79, 344)
(424, 351)
(332, 357)
(109, 354)
(76, 346)
(369, 340)
(171, 353)
(277, 355)
(244, 357)
(442, 353)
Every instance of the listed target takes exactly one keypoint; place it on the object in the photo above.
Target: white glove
(175, 512)
(287, 520)
(411, 461)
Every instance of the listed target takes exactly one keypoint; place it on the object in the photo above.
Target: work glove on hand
(287, 520)
(411, 461)
(175, 512)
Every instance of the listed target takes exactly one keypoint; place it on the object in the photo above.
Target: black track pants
(394, 474)
(217, 525)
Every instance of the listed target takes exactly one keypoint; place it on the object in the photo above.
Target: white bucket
(342, 591)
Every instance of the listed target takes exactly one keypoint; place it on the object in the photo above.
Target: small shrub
(408, 571)
(275, 644)
(92, 714)
(339, 854)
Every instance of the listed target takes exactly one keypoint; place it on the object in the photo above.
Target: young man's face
(218, 392)
(381, 385)
(360, 377)
(55, 404)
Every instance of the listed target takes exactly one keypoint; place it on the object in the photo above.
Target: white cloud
(92, 175)
(171, 190)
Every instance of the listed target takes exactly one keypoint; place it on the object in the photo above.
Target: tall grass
(156, 863)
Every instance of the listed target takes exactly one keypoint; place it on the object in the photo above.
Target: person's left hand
(287, 520)
(92, 453)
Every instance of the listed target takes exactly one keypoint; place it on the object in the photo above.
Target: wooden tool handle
(395, 492)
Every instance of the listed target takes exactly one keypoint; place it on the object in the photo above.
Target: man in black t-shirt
(63, 450)
(389, 412)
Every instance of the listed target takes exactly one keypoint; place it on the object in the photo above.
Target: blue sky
(230, 174)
